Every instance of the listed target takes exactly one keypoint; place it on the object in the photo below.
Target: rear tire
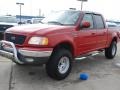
(110, 52)
(59, 66)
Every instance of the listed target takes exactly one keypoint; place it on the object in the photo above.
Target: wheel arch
(114, 39)
(66, 45)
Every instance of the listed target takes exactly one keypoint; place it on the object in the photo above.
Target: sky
(109, 8)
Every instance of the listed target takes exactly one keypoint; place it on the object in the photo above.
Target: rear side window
(99, 22)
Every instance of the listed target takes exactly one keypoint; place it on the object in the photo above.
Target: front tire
(110, 52)
(59, 65)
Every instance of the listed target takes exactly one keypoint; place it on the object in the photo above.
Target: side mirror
(85, 24)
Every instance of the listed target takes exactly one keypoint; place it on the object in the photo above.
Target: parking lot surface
(104, 75)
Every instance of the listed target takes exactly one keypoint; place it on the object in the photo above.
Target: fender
(114, 35)
(66, 37)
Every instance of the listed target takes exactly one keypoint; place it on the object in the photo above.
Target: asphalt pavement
(104, 75)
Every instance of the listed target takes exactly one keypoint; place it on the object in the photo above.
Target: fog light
(29, 60)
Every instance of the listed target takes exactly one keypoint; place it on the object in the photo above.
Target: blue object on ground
(84, 76)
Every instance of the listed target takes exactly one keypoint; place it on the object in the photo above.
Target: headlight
(38, 41)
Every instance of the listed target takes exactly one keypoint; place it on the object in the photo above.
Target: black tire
(110, 52)
(52, 66)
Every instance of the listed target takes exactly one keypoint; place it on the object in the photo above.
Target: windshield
(62, 18)
(8, 19)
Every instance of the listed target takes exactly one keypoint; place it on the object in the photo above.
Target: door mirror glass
(85, 24)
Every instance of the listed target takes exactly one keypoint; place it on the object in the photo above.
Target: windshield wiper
(55, 22)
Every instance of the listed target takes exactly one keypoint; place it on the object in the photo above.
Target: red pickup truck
(58, 39)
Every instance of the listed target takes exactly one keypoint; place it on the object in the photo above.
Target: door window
(88, 18)
(99, 22)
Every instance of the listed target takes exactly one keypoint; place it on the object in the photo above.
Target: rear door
(86, 39)
(101, 34)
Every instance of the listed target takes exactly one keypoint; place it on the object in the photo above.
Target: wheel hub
(63, 65)
(113, 50)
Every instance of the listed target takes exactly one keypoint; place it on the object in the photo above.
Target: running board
(87, 55)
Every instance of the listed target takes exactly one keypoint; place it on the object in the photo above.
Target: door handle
(93, 34)
(104, 32)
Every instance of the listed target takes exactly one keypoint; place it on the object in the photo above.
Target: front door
(86, 37)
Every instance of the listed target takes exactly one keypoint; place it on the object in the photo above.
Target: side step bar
(87, 55)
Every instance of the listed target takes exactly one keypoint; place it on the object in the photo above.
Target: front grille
(16, 39)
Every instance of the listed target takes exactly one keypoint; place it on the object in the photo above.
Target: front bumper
(22, 56)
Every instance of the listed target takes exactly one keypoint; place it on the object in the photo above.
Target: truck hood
(35, 28)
